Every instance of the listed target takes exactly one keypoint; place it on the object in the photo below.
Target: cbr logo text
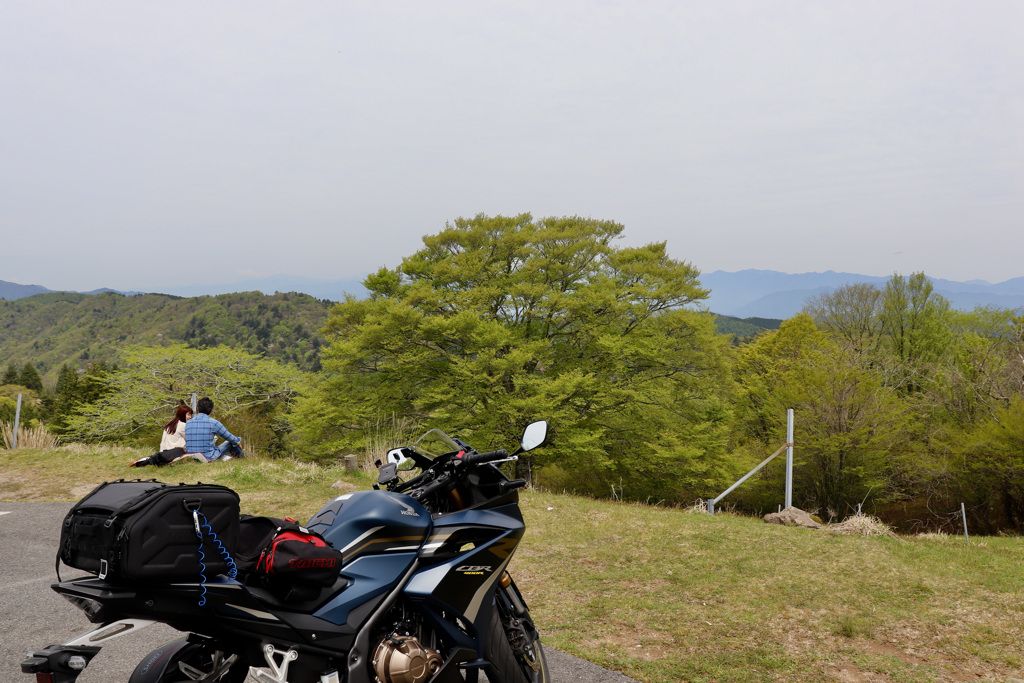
(472, 569)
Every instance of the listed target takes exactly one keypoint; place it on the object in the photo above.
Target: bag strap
(200, 528)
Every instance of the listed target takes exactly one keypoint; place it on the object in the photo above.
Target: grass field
(666, 595)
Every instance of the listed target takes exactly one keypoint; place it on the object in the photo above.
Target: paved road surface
(32, 616)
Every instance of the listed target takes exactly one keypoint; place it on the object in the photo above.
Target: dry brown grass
(862, 525)
(32, 437)
(385, 435)
(699, 506)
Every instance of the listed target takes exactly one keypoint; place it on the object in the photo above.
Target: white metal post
(789, 457)
(748, 475)
(17, 418)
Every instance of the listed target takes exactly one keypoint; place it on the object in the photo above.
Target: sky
(149, 145)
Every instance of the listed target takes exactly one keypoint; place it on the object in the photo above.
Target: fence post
(789, 457)
(963, 515)
(17, 419)
(193, 403)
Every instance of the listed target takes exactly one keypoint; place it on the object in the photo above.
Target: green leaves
(499, 321)
(151, 382)
(848, 421)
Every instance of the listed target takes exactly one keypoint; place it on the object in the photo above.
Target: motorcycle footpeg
(278, 671)
(475, 664)
(59, 663)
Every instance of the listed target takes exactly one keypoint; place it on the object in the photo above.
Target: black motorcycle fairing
(96, 598)
(239, 612)
(359, 654)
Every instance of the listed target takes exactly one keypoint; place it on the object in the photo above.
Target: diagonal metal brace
(714, 501)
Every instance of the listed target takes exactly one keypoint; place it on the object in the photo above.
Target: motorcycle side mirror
(396, 456)
(534, 435)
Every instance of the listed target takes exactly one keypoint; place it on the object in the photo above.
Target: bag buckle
(103, 569)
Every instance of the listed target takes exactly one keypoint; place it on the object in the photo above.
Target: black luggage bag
(146, 530)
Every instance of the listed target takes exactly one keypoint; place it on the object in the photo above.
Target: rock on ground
(792, 516)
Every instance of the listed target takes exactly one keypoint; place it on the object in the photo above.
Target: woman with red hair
(172, 442)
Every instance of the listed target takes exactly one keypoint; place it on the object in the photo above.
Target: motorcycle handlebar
(512, 485)
(481, 458)
(429, 488)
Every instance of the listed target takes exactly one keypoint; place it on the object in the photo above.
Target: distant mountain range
(771, 294)
(743, 294)
(331, 290)
(12, 291)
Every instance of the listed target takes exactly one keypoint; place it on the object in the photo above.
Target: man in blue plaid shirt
(201, 432)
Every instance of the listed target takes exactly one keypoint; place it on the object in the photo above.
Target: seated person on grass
(201, 433)
(172, 442)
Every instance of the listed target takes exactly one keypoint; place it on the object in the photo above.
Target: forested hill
(744, 329)
(51, 329)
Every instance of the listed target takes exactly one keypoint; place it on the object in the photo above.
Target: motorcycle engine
(402, 659)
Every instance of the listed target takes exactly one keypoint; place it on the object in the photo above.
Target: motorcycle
(423, 594)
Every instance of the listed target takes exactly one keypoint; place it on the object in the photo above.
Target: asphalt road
(33, 616)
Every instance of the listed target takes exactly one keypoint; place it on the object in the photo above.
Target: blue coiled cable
(232, 568)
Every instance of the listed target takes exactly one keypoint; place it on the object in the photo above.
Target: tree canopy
(151, 382)
(498, 321)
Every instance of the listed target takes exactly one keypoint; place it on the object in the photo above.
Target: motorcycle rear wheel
(182, 662)
(508, 666)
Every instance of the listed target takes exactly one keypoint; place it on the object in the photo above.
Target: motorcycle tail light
(92, 608)
(44, 678)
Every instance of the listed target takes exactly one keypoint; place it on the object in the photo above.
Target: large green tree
(10, 375)
(990, 471)
(150, 382)
(849, 426)
(30, 378)
(72, 391)
(498, 321)
(916, 324)
(851, 313)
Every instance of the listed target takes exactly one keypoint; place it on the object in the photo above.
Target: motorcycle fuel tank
(379, 534)
(371, 523)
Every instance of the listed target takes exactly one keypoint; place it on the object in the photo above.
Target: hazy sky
(150, 144)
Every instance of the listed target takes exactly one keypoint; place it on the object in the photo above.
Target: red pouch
(299, 555)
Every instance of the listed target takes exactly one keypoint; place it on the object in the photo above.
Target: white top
(175, 440)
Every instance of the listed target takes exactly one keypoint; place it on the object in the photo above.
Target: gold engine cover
(402, 659)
